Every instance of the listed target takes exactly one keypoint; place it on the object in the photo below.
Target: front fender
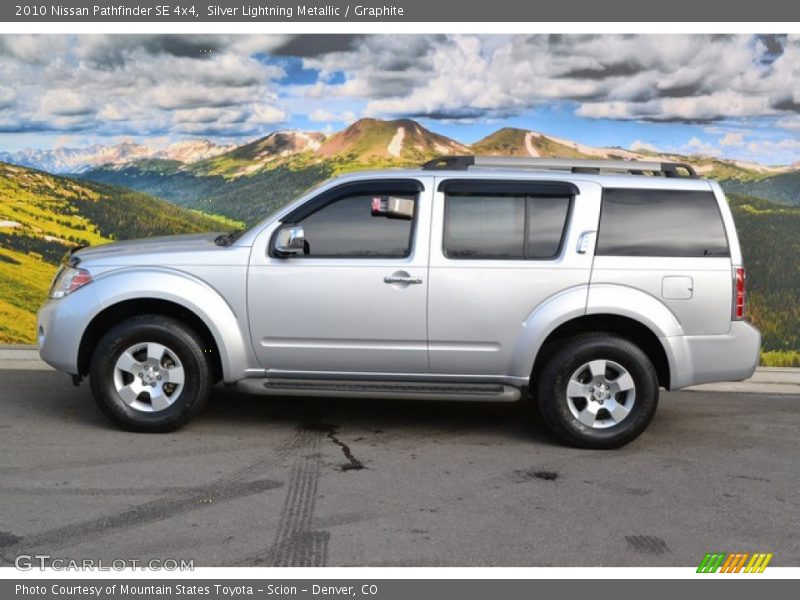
(195, 295)
(69, 317)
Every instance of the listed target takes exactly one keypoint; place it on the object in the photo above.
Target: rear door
(499, 249)
(671, 244)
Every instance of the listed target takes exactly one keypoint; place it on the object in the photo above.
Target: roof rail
(573, 165)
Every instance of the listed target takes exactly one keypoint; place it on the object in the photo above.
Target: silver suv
(587, 285)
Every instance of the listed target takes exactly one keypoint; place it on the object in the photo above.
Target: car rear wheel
(149, 374)
(597, 391)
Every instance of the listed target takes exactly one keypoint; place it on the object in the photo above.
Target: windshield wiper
(226, 239)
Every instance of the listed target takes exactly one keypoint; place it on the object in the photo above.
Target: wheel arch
(172, 294)
(116, 313)
(614, 324)
(614, 309)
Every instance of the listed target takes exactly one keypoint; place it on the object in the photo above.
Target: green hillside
(268, 152)
(783, 188)
(770, 237)
(510, 141)
(42, 216)
(245, 199)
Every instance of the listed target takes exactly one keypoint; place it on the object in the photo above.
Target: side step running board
(488, 392)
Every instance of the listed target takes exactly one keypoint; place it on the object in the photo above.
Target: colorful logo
(734, 562)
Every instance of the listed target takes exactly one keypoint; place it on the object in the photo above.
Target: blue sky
(730, 96)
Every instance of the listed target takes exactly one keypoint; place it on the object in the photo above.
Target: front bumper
(60, 326)
(711, 358)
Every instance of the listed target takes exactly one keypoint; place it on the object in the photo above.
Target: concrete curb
(767, 380)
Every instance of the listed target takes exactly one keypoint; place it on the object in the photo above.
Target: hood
(158, 250)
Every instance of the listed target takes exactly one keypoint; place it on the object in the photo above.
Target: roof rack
(573, 165)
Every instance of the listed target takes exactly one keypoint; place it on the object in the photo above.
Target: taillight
(739, 293)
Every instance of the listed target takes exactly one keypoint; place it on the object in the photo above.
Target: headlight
(67, 280)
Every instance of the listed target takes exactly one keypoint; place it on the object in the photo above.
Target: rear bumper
(710, 358)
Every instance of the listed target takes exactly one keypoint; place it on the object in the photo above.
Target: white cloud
(735, 140)
(65, 102)
(265, 115)
(639, 145)
(7, 98)
(648, 77)
(697, 146)
(321, 115)
(791, 123)
(157, 84)
(140, 85)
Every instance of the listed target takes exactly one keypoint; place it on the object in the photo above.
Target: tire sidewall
(163, 331)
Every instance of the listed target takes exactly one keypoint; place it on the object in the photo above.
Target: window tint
(485, 227)
(507, 226)
(346, 228)
(661, 223)
(546, 218)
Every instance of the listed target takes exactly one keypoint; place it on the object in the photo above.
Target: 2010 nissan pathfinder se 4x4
(587, 285)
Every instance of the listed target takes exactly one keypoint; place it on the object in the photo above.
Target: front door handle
(401, 278)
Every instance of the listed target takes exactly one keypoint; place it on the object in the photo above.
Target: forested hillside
(770, 238)
(42, 216)
(246, 199)
(783, 188)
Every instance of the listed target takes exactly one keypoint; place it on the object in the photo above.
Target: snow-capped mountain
(78, 160)
(190, 151)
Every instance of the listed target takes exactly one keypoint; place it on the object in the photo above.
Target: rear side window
(640, 222)
(504, 226)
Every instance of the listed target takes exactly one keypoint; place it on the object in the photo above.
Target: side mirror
(290, 240)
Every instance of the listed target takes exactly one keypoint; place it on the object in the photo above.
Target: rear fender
(555, 311)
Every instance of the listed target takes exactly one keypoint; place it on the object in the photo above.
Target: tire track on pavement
(230, 486)
(296, 544)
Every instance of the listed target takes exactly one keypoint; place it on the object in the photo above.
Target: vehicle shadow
(518, 419)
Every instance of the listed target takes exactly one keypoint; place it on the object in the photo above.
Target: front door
(355, 299)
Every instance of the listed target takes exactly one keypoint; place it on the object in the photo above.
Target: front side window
(504, 226)
(361, 225)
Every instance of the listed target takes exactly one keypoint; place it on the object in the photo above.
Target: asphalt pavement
(302, 482)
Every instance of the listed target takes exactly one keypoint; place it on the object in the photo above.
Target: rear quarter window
(645, 222)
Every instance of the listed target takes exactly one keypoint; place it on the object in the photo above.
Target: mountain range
(76, 160)
(246, 182)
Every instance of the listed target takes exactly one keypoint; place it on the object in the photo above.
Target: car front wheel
(149, 374)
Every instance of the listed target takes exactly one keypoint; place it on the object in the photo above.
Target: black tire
(569, 356)
(180, 340)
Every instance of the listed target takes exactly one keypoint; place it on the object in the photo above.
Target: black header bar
(465, 11)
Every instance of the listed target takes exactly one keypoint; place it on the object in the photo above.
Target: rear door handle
(402, 279)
